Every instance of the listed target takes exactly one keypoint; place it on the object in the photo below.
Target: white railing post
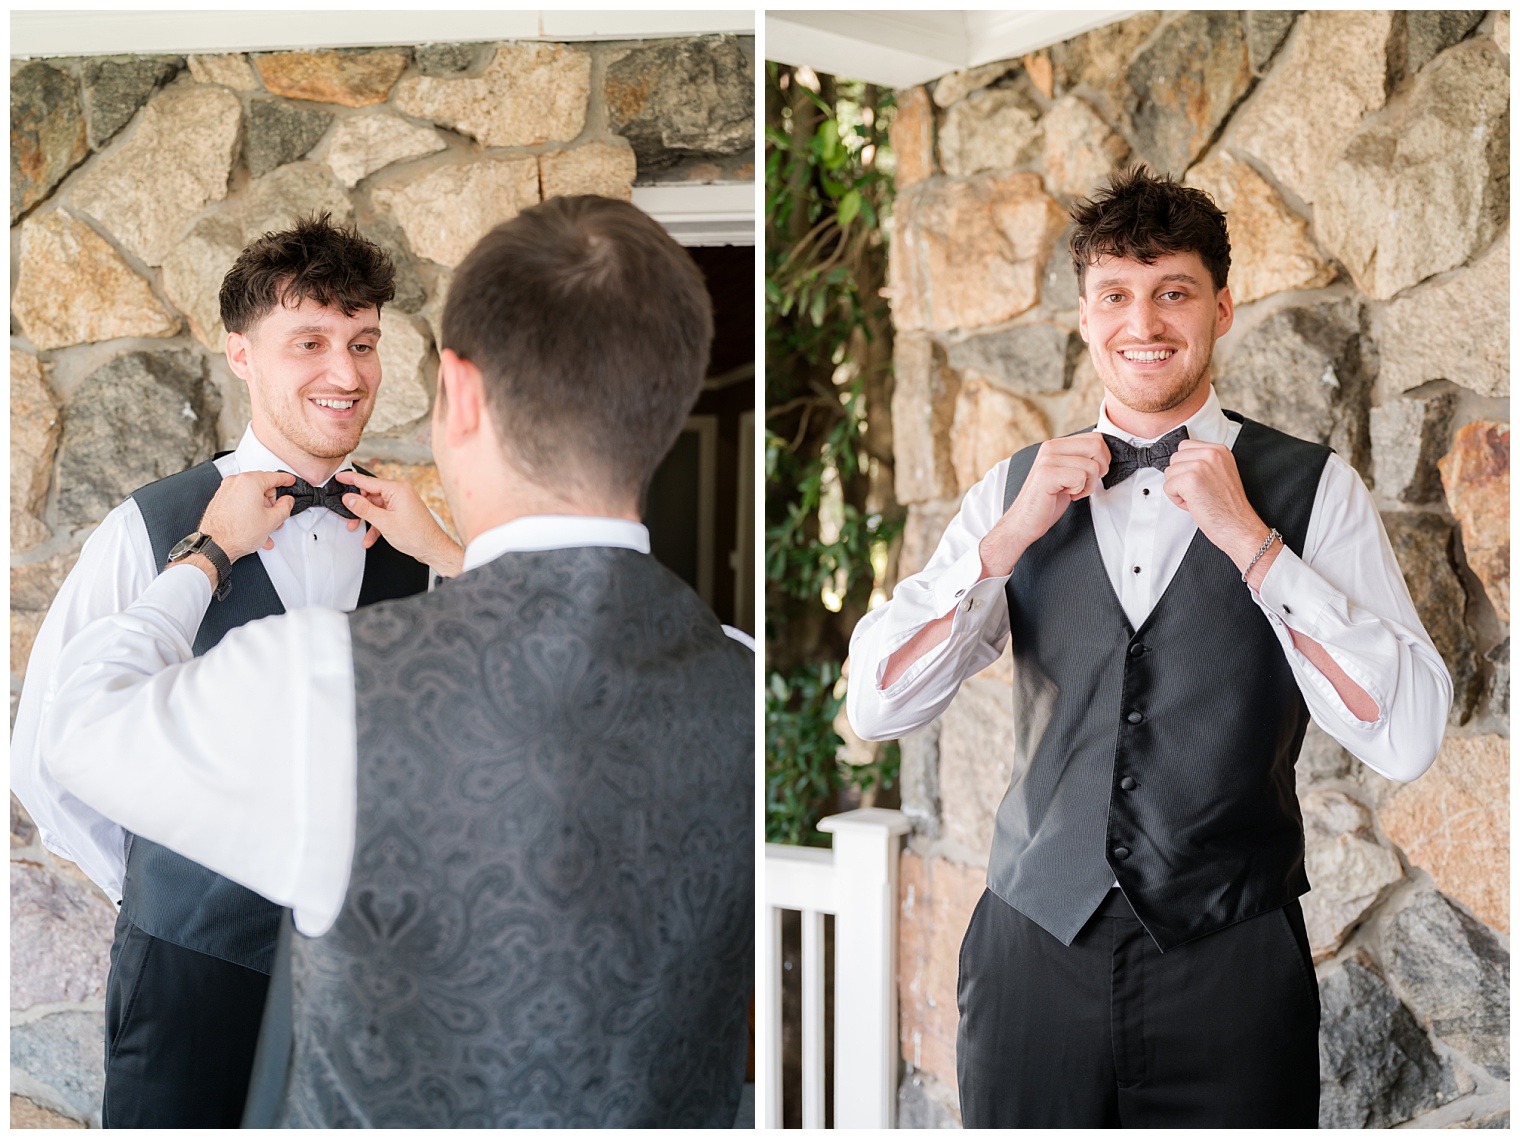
(866, 846)
(769, 1002)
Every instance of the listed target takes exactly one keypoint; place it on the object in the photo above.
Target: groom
(513, 816)
(1184, 589)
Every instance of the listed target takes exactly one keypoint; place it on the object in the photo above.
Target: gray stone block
(48, 136)
(1265, 32)
(141, 417)
(114, 89)
(1422, 545)
(59, 1062)
(1408, 437)
(1025, 359)
(1377, 1069)
(1454, 974)
(680, 98)
(280, 132)
(1187, 80)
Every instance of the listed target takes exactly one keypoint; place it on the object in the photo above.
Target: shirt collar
(555, 532)
(252, 455)
(1208, 424)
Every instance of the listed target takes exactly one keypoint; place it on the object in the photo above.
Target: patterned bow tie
(306, 496)
(1125, 460)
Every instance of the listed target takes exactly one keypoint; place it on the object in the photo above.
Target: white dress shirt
(316, 560)
(1346, 593)
(264, 784)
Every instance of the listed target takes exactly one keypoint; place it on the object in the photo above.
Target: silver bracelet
(1274, 536)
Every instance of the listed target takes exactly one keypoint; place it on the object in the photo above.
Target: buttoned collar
(555, 532)
(1208, 424)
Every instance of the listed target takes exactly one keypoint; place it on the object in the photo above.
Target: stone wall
(1362, 159)
(135, 182)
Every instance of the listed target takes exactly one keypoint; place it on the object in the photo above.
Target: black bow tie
(1124, 459)
(306, 496)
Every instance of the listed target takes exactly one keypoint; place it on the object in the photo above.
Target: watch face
(185, 546)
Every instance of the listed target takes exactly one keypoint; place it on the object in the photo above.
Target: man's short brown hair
(315, 260)
(591, 327)
(1141, 217)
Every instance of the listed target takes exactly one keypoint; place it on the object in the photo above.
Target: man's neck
(313, 469)
(1154, 424)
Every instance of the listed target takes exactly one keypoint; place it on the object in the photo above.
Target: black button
(1146, 491)
(1121, 852)
(1286, 609)
(1137, 649)
(1127, 783)
(1137, 570)
(1134, 717)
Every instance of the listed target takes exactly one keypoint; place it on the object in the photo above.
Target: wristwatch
(198, 543)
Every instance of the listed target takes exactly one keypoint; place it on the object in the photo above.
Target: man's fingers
(371, 536)
(363, 507)
(367, 483)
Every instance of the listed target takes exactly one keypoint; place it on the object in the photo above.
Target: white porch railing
(857, 883)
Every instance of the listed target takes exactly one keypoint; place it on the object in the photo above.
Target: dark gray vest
(165, 894)
(550, 919)
(1161, 756)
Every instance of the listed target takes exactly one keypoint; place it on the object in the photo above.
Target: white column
(769, 1008)
(813, 1108)
(866, 846)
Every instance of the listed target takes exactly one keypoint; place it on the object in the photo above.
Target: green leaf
(849, 207)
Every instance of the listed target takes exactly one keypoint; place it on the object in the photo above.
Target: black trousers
(1111, 1032)
(181, 1028)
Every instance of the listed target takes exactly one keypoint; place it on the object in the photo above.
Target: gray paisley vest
(550, 915)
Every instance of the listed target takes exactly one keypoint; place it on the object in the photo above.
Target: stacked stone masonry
(1371, 277)
(135, 183)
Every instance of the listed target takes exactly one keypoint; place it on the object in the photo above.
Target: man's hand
(1064, 470)
(396, 511)
(1202, 479)
(245, 511)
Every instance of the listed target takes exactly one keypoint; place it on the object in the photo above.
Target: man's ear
(1082, 317)
(1226, 314)
(237, 355)
(461, 396)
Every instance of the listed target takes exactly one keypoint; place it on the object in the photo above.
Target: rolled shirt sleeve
(951, 581)
(1348, 594)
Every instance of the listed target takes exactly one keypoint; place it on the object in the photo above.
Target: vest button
(1127, 783)
(1134, 717)
(1137, 649)
(1121, 852)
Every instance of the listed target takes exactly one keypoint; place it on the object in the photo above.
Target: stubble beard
(319, 444)
(1150, 401)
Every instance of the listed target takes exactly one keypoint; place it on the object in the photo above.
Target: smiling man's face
(312, 375)
(1150, 330)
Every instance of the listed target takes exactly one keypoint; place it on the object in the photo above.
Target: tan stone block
(997, 129)
(936, 897)
(24, 627)
(275, 201)
(530, 93)
(605, 167)
(406, 395)
(951, 89)
(73, 288)
(1454, 822)
(1423, 187)
(1041, 73)
(446, 211)
(352, 79)
(975, 762)
(1334, 62)
(35, 584)
(26, 1114)
(912, 136)
(991, 424)
(1501, 31)
(362, 144)
(1475, 475)
(921, 533)
(224, 70)
(176, 160)
(1349, 870)
(423, 477)
(971, 252)
(35, 426)
(1080, 149)
(923, 410)
(1427, 333)
(1270, 248)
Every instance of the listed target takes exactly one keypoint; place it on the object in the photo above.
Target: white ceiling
(902, 49)
(53, 33)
